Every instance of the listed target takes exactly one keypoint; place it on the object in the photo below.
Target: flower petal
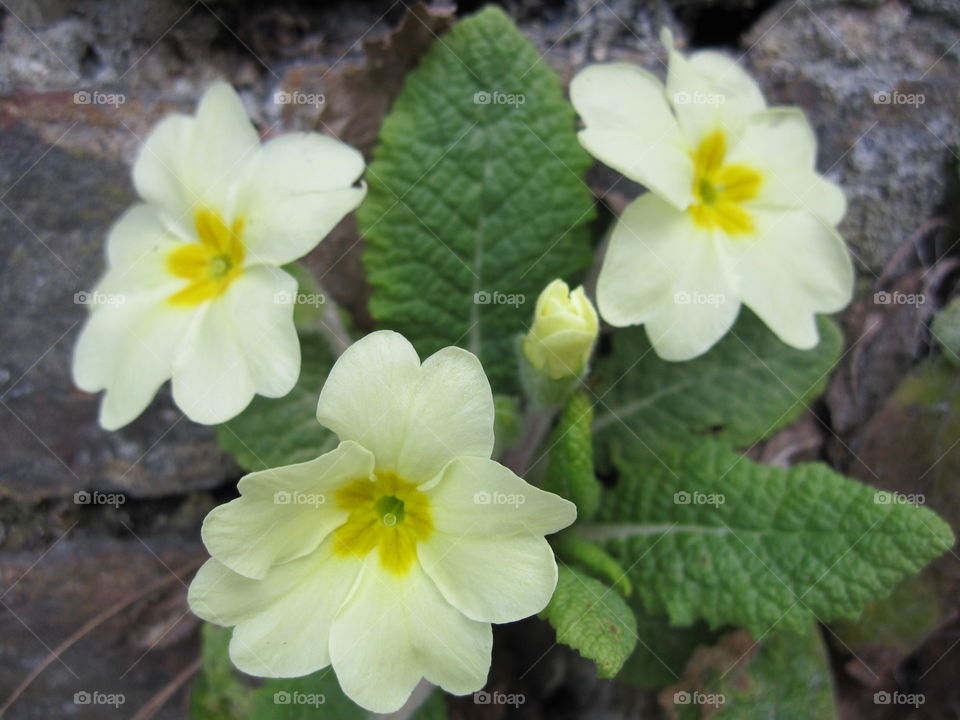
(661, 269)
(283, 621)
(630, 127)
(283, 513)
(395, 630)
(492, 579)
(127, 348)
(137, 249)
(782, 145)
(187, 163)
(478, 497)
(296, 189)
(796, 267)
(414, 418)
(245, 343)
(709, 90)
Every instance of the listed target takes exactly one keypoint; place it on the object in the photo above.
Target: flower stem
(536, 422)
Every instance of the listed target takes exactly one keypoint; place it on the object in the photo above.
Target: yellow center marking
(721, 189)
(210, 264)
(388, 515)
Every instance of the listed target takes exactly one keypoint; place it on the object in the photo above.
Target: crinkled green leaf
(570, 471)
(476, 198)
(784, 676)
(710, 534)
(746, 387)
(593, 619)
(572, 548)
(280, 431)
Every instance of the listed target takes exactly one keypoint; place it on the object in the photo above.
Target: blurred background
(99, 531)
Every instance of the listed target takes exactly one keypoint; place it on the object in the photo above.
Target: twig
(164, 694)
(92, 624)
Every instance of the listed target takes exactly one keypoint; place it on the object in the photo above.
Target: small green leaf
(305, 698)
(217, 693)
(570, 470)
(710, 534)
(745, 388)
(592, 558)
(435, 708)
(476, 196)
(506, 422)
(785, 676)
(282, 431)
(593, 619)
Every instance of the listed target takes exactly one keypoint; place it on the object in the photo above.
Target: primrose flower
(388, 557)
(565, 328)
(736, 214)
(195, 268)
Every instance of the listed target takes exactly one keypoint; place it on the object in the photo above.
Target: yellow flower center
(210, 264)
(721, 189)
(388, 515)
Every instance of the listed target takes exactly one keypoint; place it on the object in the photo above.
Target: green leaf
(306, 698)
(749, 385)
(592, 558)
(570, 470)
(785, 676)
(593, 619)
(710, 534)
(476, 188)
(281, 431)
(507, 423)
(217, 693)
(435, 708)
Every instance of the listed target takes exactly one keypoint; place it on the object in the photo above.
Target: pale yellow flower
(736, 214)
(389, 557)
(194, 270)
